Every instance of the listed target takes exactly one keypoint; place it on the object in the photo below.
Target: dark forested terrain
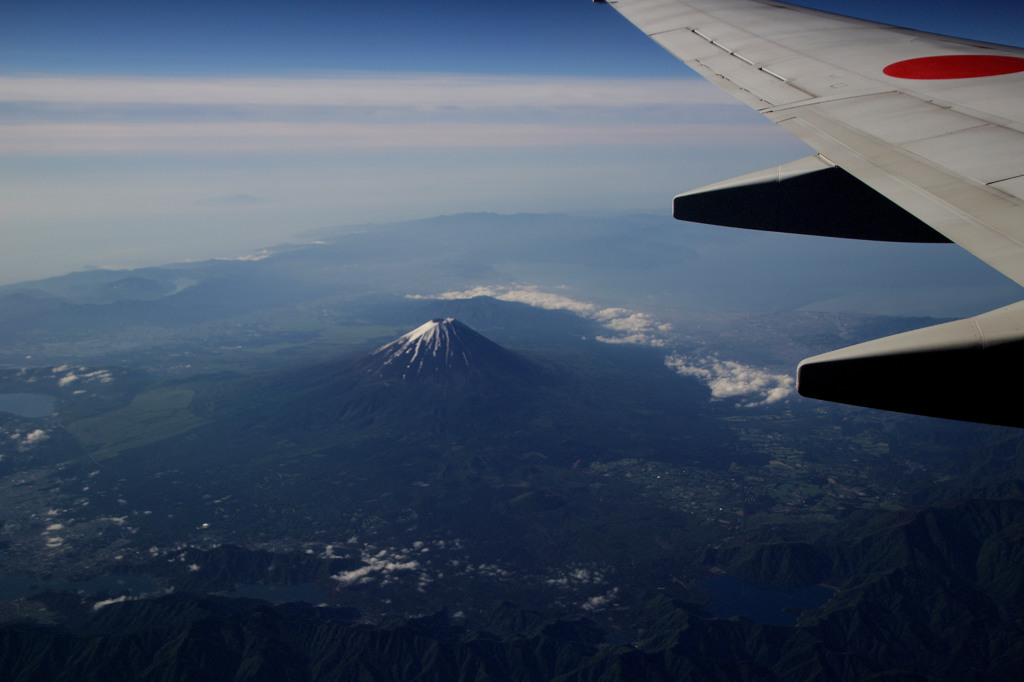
(206, 473)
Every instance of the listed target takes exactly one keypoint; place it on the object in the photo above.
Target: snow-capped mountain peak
(438, 348)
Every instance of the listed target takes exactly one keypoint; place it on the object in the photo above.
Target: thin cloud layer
(150, 170)
(418, 91)
(118, 115)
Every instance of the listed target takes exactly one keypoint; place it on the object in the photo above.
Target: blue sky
(136, 133)
(188, 37)
(249, 37)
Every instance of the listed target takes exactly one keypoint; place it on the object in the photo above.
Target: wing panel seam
(914, 182)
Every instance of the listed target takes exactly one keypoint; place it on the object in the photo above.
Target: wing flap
(985, 154)
(897, 118)
(768, 87)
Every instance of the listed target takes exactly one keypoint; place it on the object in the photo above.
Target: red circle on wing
(955, 66)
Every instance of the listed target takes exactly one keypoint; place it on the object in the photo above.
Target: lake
(767, 604)
(14, 587)
(32, 405)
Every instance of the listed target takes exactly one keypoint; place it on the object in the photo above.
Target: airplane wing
(920, 137)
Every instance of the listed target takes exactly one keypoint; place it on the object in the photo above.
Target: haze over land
(246, 467)
(134, 134)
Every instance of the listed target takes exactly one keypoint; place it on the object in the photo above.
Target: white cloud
(635, 339)
(636, 327)
(529, 295)
(576, 576)
(32, 438)
(107, 602)
(379, 565)
(493, 571)
(262, 254)
(36, 436)
(729, 379)
(601, 601)
(101, 375)
(633, 326)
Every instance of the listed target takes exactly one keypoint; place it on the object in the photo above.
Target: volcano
(446, 351)
(440, 377)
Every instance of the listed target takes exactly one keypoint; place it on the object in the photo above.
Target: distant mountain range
(617, 261)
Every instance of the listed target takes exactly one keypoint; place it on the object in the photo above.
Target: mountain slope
(444, 350)
(440, 378)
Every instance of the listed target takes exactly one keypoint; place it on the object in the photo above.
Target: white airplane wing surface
(920, 137)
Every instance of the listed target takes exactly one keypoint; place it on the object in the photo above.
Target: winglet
(952, 370)
(807, 196)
